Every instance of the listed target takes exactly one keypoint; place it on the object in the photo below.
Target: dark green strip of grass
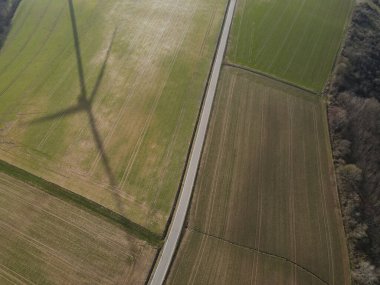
(82, 202)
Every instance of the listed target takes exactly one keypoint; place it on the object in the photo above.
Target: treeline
(354, 118)
(7, 10)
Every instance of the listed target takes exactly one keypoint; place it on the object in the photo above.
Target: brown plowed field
(266, 183)
(44, 240)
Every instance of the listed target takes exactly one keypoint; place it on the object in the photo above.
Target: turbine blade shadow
(87, 104)
(105, 161)
(103, 69)
(69, 111)
(82, 83)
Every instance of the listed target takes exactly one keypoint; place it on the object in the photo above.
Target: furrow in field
(261, 187)
(20, 24)
(292, 212)
(260, 252)
(270, 194)
(324, 204)
(227, 263)
(333, 45)
(152, 111)
(269, 35)
(23, 70)
(216, 174)
(60, 245)
(289, 32)
(302, 38)
(28, 38)
(80, 227)
(156, 42)
(132, 78)
(12, 275)
(315, 47)
(45, 249)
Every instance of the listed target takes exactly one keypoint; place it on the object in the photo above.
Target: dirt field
(221, 262)
(265, 184)
(101, 97)
(44, 240)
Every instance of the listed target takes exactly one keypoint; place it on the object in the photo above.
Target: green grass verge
(69, 196)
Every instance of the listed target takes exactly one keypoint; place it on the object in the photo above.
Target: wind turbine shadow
(85, 104)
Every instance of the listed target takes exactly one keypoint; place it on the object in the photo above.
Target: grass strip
(82, 202)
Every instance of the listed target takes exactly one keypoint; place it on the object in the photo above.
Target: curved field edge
(80, 201)
(46, 240)
(222, 262)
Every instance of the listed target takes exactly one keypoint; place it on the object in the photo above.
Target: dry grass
(44, 240)
(145, 107)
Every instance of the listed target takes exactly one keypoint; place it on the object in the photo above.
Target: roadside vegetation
(354, 117)
(7, 10)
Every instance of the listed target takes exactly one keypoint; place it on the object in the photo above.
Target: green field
(265, 184)
(44, 240)
(295, 40)
(101, 97)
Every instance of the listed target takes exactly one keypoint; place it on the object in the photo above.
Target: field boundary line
(50, 213)
(258, 72)
(41, 208)
(316, 43)
(175, 230)
(325, 213)
(292, 210)
(343, 39)
(260, 252)
(336, 195)
(225, 120)
(261, 148)
(330, 48)
(60, 192)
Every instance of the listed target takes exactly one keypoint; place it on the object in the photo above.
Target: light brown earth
(44, 240)
(265, 185)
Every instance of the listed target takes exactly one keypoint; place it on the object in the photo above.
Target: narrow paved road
(172, 239)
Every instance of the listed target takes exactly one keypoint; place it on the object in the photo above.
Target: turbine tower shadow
(85, 104)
